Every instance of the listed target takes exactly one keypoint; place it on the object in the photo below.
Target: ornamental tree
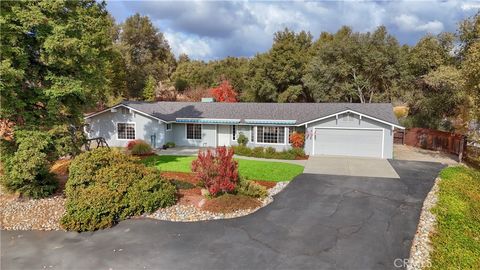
(297, 139)
(224, 92)
(217, 170)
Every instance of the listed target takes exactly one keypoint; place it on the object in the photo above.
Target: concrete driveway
(350, 166)
(318, 222)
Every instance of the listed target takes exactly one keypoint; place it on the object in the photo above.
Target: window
(126, 131)
(194, 131)
(169, 127)
(267, 134)
(234, 133)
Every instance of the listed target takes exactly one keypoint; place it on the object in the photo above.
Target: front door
(223, 135)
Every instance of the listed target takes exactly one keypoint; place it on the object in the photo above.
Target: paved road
(318, 222)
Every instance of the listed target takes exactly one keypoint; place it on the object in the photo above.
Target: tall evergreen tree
(53, 61)
(271, 74)
(146, 52)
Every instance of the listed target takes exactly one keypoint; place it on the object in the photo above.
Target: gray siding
(355, 122)
(209, 136)
(105, 125)
(169, 134)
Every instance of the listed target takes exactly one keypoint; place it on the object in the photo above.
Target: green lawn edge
(250, 169)
(456, 241)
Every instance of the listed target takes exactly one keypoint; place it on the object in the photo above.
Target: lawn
(251, 169)
(456, 243)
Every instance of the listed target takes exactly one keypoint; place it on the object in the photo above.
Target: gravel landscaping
(421, 245)
(44, 214)
(190, 213)
(27, 214)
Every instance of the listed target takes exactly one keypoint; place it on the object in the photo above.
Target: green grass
(250, 169)
(456, 243)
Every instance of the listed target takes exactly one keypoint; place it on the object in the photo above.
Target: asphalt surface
(317, 222)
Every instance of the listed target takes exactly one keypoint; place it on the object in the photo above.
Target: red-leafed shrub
(297, 139)
(217, 170)
(132, 143)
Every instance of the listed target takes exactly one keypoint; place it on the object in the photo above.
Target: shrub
(270, 152)
(85, 166)
(217, 170)
(297, 139)
(67, 140)
(170, 144)
(105, 186)
(92, 208)
(27, 169)
(258, 152)
(251, 189)
(131, 144)
(141, 148)
(242, 139)
(242, 150)
(179, 184)
(149, 194)
(297, 152)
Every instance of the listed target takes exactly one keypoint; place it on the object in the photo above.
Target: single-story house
(350, 129)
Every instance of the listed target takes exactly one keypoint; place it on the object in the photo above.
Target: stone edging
(421, 245)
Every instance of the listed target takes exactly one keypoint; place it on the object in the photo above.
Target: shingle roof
(301, 112)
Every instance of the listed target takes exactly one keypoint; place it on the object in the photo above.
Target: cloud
(412, 23)
(215, 29)
(470, 6)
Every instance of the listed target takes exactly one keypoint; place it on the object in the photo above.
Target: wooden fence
(431, 139)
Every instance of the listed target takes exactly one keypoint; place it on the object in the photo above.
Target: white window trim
(351, 128)
(166, 127)
(256, 136)
(201, 132)
(134, 127)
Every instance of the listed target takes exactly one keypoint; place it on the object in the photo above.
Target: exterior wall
(169, 134)
(105, 125)
(209, 136)
(355, 123)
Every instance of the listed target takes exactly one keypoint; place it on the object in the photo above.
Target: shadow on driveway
(318, 222)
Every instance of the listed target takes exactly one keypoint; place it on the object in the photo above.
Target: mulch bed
(267, 184)
(230, 203)
(182, 176)
(191, 196)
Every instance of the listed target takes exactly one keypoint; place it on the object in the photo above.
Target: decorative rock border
(189, 213)
(421, 245)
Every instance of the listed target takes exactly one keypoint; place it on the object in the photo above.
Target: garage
(361, 142)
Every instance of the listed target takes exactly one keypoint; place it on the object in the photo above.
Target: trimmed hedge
(106, 186)
(269, 152)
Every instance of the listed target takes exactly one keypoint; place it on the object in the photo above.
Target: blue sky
(215, 29)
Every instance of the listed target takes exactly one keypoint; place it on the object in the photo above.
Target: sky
(208, 30)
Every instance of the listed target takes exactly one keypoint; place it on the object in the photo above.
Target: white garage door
(348, 142)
